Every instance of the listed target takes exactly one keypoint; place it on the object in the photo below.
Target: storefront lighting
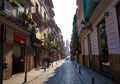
(21, 41)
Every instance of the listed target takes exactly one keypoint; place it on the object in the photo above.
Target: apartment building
(28, 33)
(99, 36)
(17, 33)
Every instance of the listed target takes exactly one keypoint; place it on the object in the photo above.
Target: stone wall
(115, 68)
(87, 61)
(8, 59)
(97, 66)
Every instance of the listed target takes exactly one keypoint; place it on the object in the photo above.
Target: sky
(64, 12)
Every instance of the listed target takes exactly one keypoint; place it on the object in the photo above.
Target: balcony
(28, 3)
(14, 17)
(51, 23)
(45, 23)
(36, 42)
(50, 36)
(88, 7)
(51, 12)
(37, 17)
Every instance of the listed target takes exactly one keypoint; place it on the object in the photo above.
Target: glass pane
(104, 48)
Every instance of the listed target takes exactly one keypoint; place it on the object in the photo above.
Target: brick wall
(80, 58)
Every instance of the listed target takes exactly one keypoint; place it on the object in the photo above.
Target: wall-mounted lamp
(86, 25)
(83, 24)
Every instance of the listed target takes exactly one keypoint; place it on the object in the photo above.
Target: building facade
(17, 34)
(99, 36)
(24, 34)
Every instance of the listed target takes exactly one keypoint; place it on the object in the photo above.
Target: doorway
(83, 57)
(18, 58)
(103, 47)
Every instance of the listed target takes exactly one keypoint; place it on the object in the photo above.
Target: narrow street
(64, 73)
(59, 41)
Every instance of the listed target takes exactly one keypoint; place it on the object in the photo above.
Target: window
(40, 8)
(1, 5)
(44, 16)
(36, 7)
(103, 48)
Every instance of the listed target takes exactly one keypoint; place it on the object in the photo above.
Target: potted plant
(25, 15)
(14, 3)
(30, 20)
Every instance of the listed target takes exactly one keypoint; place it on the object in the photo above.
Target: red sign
(19, 38)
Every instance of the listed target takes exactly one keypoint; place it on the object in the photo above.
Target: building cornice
(100, 8)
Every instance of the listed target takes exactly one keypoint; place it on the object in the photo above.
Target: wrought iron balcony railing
(28, 3)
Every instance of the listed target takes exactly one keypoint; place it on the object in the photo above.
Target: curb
(75, 68)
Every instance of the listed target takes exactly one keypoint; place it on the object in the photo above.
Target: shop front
(18, 63)
(36, 44)
(103, 48)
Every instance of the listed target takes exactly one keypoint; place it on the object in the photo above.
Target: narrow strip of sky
(64, 12)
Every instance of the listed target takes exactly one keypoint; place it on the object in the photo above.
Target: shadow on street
(65, 74)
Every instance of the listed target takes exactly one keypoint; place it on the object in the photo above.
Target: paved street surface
(62, 74)
(31, 75)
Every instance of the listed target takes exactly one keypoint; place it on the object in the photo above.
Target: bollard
(79, 70)
(75, 66)
(93, 80)
(52, 63)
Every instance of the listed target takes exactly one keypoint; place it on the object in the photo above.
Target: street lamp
(51, 52)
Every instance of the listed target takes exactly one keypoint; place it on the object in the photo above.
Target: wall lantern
(83, 24)
(86, 25)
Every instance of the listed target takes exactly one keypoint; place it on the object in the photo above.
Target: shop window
(105, 64)
(1, 5)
